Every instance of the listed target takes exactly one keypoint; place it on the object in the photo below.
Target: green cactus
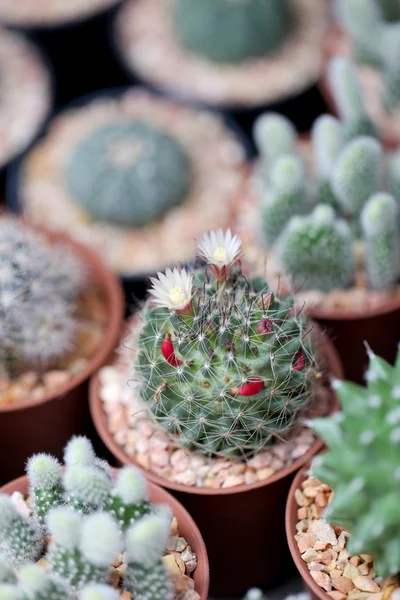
(287, 196)
(128, 173)
(347, 94)
(129, 499)
(379, 220)
(87, 489)
(327, 141)
(362, 464)
(45, 487)
(393, 174)
(391, 69)
(316, 252)
(225, 31)
(390, 9)
(38, 585)
(356, 174)
(211, 339)
(274, 136)
(21, 539)
(254, 594)
(359, 18)
(99, 592)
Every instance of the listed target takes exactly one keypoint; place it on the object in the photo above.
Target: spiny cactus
(287, 196)
(211, 340)
(91, 520)
(227, 31)
(274, 136)
(128, 173)
(327, 142)
(346, 90)
(39, 285)
(317, 251)
(380, 228)
(362, 464)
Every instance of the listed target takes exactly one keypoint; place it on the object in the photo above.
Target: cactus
(128, 173)
(231, 32)
(359, 18)
(327, 141)
(274, 136)
(38, 585)
(210, 340)
(393, 174)
(129, 500)
(87, 489)
(39, 285)
(316, 252)
(379, 220)
(287, 196)
(99, 592)
(362, 464)
(347, 94)
(45, 488)
(21, 539)
(356, 174)
(254, 594)
(390, 64)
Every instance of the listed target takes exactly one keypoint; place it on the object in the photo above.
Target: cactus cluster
(91, 519)
(223, 364)
(128, 173)
(312, 218)
(360, 18)
(39, 285)
(228, 31)
(362, 464)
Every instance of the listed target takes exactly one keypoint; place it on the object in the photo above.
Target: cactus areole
(223, 364)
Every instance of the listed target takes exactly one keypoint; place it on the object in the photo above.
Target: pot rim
(115, 304)
(99, 420)
(191, 532)
(290, 524)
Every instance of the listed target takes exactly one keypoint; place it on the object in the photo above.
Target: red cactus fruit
(253, 387)
(299, 361)
(265, 327)
(168, 352)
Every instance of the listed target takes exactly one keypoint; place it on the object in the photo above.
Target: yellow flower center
(178, 296)
(220, 254)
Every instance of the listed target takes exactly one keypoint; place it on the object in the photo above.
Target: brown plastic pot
(243, 527)
(316, 592)
(46, 424)
(187, 527)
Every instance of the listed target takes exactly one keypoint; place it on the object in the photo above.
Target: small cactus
(21, 539)
(362, 464)
(87, 489)
(359, 18)
(45, 487)
(39, 285)
(316, 252)
(391, 69)
(347, 94)
(128, 173)
(212, 339)
(327, 141)
(356, 174)
(287, 196)
(379, 221)
(129, 499)
(274, 136)
(231, 32)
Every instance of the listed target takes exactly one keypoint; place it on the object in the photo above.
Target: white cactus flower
(221, 250)
(173, 290)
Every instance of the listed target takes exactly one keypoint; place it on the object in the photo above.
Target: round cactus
(362, 464)
(209, 343)
(128, 173)
(231, 31)
(316, 252)
(39, 284)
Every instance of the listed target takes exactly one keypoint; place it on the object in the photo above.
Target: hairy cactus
(274, 136)
(91, 520)
(286, 197)
(391, 69)
(210, 340)
(226, 31)
(362, 464)
(316, 252)
(347, 94)
(327, 141)
(356, 174)
(128, 173)
(39, 285)
(379, 220)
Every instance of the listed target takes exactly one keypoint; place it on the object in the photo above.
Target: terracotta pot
(187, 527)
(243, 527)
(316, 592)
(46, 424)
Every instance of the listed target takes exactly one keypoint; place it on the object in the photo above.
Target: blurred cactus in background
(227, 31)
(128, 173)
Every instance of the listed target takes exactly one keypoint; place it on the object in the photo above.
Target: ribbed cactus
(316, 252)
(128, 173)
(286, 196)
(356, 174)
(347, 94)
(327, 142)
(362, 464)
(211, 340)
(91, 519)
(228, 31)
(379, 221)
(39, 285)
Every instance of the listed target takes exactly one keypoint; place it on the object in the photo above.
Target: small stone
(181, 544)
(115, 578)
(233, 481)
(212, 483)
(160, 458)
(315, 566)
(309, 555)
(239, 469)
(321, 546)
(343, 584)
(350, 571)
(143, 460)
(179, 460)
(250, 477)
(145, 428)
(327, 557)
(265, 473)
(365, 584)
(28, 380)
(125, 595)
(336, 595)
(171, 564)
(363, 570)
(142, 445)
(315, 511)
(310, 492)
(321, 500)
(188, 478)
(305, 541)
(300, 498)
(174, 526)
(261, 460)
(323, 532)
(322, 579)
(367, 558)
(355, 560)
(311, 482)
(55, 379)
(300, 451)
(302, 513)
